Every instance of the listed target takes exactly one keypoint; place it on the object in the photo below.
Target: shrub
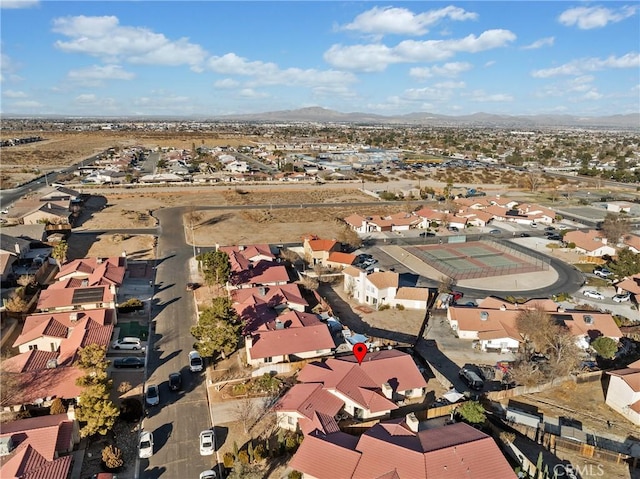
(228, 459)
(243, 457)
(400, 307)
(259, 453)
(132, 304)
(112, 457)
(383, 307)
(295, 475)
(57, 407)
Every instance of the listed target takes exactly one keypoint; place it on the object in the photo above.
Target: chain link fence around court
(481, 258)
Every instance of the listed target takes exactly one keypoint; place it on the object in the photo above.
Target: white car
(206, 443)
(620, 298)
(127, 343)
(146, 444)
(208, 474)
(593, 294)
(195, 362)
(152, 397)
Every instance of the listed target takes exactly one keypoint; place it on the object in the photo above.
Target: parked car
(495, 232)
(554, 237)
(175, 381)
(192, 286)
(534, 224)
(146, 445)
(549, 228)
(195, 362)
(206, 442)
(621, 298)
(593, 294)
(453, 228)
(208, 474)
(524, 235)
(130, 362)
(127, 343)
(473, 380)
(457, 295)
(152, 396)
(602, 272)
(424, 234)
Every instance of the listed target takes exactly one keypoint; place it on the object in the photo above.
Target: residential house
(623, 392)
(237, 166)
(317, 251)
(358, 224)
(590, 243)
(94, 271)
(339, 260)
(290, 336)
(399, 450)
(307, 407)
(632, 242)
(494, 323)
(57, 297)
(36, 233)
(630, 284)
(262, 273)
(371, 389)
(38, 447)
(48, 212)
(257, 306)
(251, 253)
(12, 249)
(619, 206)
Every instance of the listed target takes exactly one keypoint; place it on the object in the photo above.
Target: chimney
(503, 307)
(17, 248)
(279, 324)
(49, 205)
(73, 316)
(84, 283)
(560, 309)
(262, 290)
(240, 248)
(387, 390)
(484, 315)
(412, 422)
(99, 260)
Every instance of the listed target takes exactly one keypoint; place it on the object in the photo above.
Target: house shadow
(80, 244)
(94, 204)
(355, 322)
(441, 365)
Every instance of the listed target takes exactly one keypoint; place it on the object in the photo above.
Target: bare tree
(526, 373)
(310, 283)
(246, 411)
(446, 284)
(615, 227)
(25, 280)
(535, 326)
(533, 180)
(349, 237)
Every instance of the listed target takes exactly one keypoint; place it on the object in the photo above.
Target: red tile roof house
(630, 284)
(257, 306)
(96, 271)
(38, 447)
(623, 392)
(253, 266)
(317, 251)
(396, 450)
(252, 253)
(494, 325)
(632, 242)
(58, 297)
(369, 391)
(359, 224)
(381, 287)
(48, 347)
(290, 336)
(590, 243)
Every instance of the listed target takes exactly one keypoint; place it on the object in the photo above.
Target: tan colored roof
(343, 258)
(384, 279)
(307, 399)
(585, 240)
(630, 375)
(631, 284)
(352, 271)
(291, 341)
(327, 457)
(355, 220)
(632, 241)
(411, 293)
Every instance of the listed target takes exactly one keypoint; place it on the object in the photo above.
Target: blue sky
(110, 58)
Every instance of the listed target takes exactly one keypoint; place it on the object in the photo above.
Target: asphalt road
(178, 420)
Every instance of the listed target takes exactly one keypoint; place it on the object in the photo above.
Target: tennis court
(480, 259)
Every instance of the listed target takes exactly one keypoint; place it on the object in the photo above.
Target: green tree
(92, 359)
(472, 412)
(215, 266)
(605, 346)
(218, 329)
(627, 263)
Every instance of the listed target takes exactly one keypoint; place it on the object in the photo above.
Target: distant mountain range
(322, 115)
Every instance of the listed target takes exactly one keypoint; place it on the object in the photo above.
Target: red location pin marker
(360, 351)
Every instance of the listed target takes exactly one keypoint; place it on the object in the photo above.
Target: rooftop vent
(279, 324)
(73, 316)
(52, 363)
(6, 445)
(588, 319)
(484, 315)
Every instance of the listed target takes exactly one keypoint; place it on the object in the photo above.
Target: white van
(127, 343)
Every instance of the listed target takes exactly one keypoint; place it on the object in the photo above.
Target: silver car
(152, 397)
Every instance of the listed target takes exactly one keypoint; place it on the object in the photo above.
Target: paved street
(178, 420)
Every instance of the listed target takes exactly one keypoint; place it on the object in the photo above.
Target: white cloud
(543, 42)
(251, 93)
(86, 98)
(578, 67)
(226, 83)
(490, 63)
(105, 38)
(18, 3)
(96, 74)
(376, 57)
(270, 74)
(451, 70)
(14, 94)
(586, 18)
(481, 96)
(400, 21)
(592, 95)
(8, 68)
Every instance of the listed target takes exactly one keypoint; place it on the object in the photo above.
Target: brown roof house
(48, 212)
(369, 390)
(97, 271)
(38, 447)
(623, 392)
(590, 243)
(398, 449)
(59, 297)
(317, 251)
(290, 336)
